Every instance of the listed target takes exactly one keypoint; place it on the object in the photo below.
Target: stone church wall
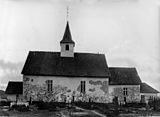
(133, 93)
(65, 89)
(145, 97)
(12, 97)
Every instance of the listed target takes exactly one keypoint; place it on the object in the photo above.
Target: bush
(42, 105)
(135, 105)
(115, 100)
(5, 103)
(85, 105)
(155, 104)
(51, 106)
(21, 108)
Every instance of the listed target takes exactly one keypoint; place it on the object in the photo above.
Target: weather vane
(67, 12)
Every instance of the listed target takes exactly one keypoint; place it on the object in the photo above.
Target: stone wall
(12, 97)
(117, 91)
(146, 96)
(65, 89)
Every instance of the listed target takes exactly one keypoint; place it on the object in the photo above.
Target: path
(93, 111)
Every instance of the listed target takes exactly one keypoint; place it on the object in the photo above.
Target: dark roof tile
(124, 76)
(14, 88)
(145, 88)
(81, 65)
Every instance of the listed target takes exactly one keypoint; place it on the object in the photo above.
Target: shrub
(51, 106)
(21, 108)
(115, 100)
(155, 103)
(85, 105)
(4, 103)
(135, 105)
(42, 105)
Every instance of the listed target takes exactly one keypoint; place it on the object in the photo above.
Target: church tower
(67, 44)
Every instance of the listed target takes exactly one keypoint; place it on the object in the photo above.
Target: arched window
(125, 91)
(67, 47)
(49, 85)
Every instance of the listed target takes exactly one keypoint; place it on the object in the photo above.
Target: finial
(67, 13)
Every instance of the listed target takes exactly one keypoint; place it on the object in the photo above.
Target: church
(67, 76)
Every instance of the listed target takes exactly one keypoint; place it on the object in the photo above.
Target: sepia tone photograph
(80, 58)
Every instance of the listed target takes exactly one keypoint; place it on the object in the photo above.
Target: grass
(57, 109)
(39, 113)
(47, 113)
(2, 113)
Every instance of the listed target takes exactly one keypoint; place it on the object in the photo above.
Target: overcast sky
(126, 31)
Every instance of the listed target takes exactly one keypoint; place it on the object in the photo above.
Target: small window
(83, 87)
(151, 97)
(125, 91)
(67, 47)
(49, 85)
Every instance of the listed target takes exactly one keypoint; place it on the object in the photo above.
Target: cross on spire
(67, 13)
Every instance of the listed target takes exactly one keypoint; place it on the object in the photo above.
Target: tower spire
(67, 44)
(67, 37)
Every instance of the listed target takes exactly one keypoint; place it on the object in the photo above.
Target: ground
(63, 113)
(83, 110)
(41, 113)
(45, 113)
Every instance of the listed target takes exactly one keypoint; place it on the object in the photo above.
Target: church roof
(124, 76)
(67, 38)
(145, 88)
(52, 64)
(14, 88)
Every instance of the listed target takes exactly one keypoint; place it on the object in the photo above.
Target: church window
(49, 85)
(125, 91)
(151, 97)
(83, 87)
(67, 47)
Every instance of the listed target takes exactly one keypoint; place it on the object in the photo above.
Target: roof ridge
(15, 81)
(45, 51)
(59, 52)
(124, 67)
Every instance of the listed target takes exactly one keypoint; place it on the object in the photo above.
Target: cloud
(9, 72)
(85, 1)
(10, 65)
(123, 62)
(3, 86)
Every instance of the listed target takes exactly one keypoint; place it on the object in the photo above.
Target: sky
(126, 31)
